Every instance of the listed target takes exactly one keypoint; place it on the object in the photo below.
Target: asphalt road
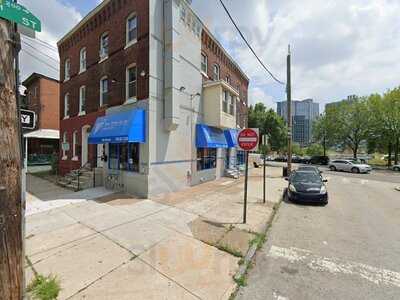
(349, 249)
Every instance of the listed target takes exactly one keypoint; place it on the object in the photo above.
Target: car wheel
(355, 170)
(332, 168)
(396, 169)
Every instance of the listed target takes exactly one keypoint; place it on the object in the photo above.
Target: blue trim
(123, 127)
(210, 137)
(231, 137)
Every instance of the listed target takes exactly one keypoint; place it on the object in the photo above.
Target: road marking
(279, 297)
(336, 266)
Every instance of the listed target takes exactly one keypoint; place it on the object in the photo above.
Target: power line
(41, 52)
(39, 59)
(247, 43)
(43, 43)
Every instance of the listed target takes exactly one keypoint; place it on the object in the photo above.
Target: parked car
(307, 187)
(396, 168)
(319, 160)
(353, 166)
(310, 169)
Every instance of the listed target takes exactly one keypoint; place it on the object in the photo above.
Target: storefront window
(206, 158)
(124, 157)
(240, 157)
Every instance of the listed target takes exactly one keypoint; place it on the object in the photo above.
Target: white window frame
(82, 60)
(67, 69)
(134, 41)
(66, 106)
(82, 100)
(101, 90)
(214, 75)
(65, 140)
(206, 63)
(130, 99)
(103, 56)
(74, 143)
(225, 101)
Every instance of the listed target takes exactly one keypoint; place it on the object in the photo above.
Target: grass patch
(259, 240)
(229, 250)
(44, 288)
(241, 281)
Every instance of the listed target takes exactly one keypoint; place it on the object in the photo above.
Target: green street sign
(19, 14)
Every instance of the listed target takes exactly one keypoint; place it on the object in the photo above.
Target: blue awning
(231, 137)
(210, 137)
(123, 127)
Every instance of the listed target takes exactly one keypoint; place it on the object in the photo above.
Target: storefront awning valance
(231, 137)
(210, 137)
(123, 127)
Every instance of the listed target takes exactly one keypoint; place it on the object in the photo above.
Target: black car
(307, 187)
(319, 160)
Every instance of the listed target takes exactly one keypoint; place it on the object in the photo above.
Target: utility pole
(289, 112)
(11, 205)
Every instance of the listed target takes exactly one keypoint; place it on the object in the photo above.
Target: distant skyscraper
(334, 104)
(303, 113)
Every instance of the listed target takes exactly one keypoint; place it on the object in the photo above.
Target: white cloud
(57, 19)
(339, 47)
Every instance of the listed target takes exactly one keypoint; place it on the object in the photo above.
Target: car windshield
(305, 177)
(355, 161)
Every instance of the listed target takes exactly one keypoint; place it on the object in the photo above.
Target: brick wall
(111, 19)
(216, 55)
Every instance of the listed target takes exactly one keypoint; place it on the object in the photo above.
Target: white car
(396, 168)
(348, 165)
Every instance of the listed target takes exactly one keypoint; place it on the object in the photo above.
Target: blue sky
(340, 47)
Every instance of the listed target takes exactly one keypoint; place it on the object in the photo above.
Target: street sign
(28, 119)
(19, 14)
(248, 139)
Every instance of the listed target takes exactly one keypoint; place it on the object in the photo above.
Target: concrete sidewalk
(175, 246)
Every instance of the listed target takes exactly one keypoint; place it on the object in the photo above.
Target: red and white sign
(248, 139)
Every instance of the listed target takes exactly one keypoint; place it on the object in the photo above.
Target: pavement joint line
(169, 278)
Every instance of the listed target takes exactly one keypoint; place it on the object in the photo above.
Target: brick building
(42, 96)
(148, 96)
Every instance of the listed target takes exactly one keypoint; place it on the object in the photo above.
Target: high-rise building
(304, 113)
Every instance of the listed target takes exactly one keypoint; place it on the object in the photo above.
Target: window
(104, 46)
(124, 157)
(82, 99)
(228, 80)
(67, 69)
(82, 60)
(232, 105)
(66, 105)
(75, 149)
(216, 72)
(103, 91)
(225, 101)
(65, 140)
(131, 87)
(206, 158)
(183, 12)
(131, 29)
(204, 63)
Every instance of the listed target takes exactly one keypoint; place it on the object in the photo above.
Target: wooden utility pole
(289, 112)
(11, 217)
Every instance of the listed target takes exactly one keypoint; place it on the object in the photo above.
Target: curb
(253, 249)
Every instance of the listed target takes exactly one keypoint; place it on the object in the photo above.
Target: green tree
(268, 121)
(315, 149)
(323, 133)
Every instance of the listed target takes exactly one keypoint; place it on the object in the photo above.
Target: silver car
(396, 168)
(348, 165)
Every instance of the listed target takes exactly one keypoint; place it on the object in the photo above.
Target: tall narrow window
(103, 91)
(216, 72)
(225, 102)
(82, 99)
(66, 105)
(232, 105)
(131, 87)
(75, 145)
(131, 30)
(67, 69)
(65, 141)
(104, 46)
(204, 63)
(82, 57)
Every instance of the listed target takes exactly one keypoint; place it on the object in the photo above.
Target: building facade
(42, 96)
(149, 97)
(304, 113)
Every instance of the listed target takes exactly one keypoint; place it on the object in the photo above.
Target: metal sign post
(248, 140)
(264, 142)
